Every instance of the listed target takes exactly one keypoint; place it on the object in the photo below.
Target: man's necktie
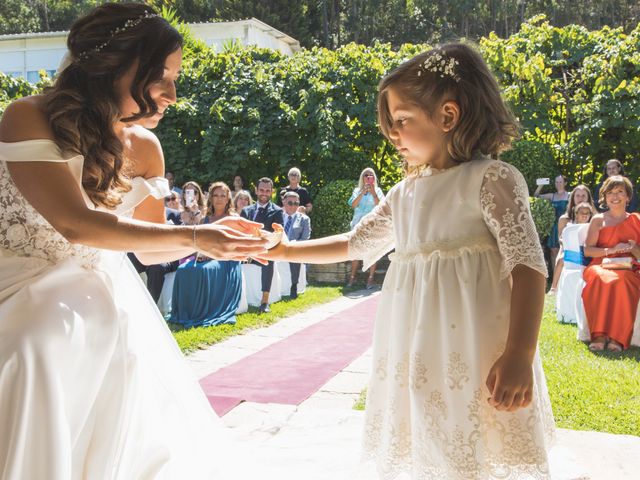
(260, 211)
(288, 225)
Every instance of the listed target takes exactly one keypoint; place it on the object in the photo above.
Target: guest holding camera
(363, 199)
(207, 292)
(194, 204)
(559, 200)
(297, 227)
(612, 288)
(266, 212)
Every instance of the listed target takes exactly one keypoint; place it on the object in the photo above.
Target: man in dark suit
(266, 212)
(297, 226)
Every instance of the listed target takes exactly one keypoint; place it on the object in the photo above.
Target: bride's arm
(53, 191)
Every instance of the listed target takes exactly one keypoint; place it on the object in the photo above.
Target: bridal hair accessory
(132, 22)
(439, 63)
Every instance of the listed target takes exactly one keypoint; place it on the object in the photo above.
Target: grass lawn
(194, 338)
(589, 391)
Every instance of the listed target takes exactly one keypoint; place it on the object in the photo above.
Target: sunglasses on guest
(292, 204)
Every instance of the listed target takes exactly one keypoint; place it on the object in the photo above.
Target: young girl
(580, 194)
(583, 212)
(457, 390)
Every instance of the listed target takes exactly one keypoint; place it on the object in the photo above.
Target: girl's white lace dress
(92, 383)
(443, 320)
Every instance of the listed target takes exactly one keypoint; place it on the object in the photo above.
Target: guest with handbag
(612, 289)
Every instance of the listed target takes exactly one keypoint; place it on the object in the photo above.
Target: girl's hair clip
(438, 63)
(132, 22)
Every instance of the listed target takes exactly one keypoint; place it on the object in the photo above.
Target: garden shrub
(544, 216)
(534, 159)
(331, 214)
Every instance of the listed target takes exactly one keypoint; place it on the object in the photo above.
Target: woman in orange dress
(611, 296)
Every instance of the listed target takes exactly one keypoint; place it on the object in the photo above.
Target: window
(33, 76)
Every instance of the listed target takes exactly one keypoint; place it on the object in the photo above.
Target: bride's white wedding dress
(92, 384)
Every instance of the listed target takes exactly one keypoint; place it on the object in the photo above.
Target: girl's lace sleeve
(505, 206)
(373, 236)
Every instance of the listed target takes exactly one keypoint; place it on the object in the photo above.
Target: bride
(92, 384)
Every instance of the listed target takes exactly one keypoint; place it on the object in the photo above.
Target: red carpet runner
(292, 369)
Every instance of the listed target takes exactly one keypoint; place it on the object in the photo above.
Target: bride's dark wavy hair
(82, 105)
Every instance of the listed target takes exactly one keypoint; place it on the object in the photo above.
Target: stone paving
(320, 438)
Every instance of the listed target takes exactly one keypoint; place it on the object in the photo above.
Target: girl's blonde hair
(455, 72)
(361, 180)
(228, 208)
(571, 211)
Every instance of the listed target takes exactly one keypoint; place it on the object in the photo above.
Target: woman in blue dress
(559, 199)
(363, 199)
(207, 292)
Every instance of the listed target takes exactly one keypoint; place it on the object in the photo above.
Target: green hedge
(331, 214)
(534, 159)
(544, 216)
(258, 112)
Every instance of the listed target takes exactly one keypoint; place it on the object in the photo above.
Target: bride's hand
(224, 243)
(240, 224)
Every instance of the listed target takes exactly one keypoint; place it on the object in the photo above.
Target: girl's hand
(224, 243)
(279, 252)
(240, 224)
(510, 382)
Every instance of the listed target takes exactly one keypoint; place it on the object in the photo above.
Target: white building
(25, 54)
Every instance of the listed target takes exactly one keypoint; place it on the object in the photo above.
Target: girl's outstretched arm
(322, 250)
(510, 380)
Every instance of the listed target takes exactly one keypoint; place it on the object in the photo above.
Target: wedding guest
(364, 199)
(239, 185)
(559, 200)
(580, 194)
(194, 204)
(615, 167)
(295, 176)
(206, 291)
(297, 227)
(611, 296)
(171, 178)
(92, 383)
(242, 199)
(174, 208)
(266, 212)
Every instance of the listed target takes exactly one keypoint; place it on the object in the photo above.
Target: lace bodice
(24, 232)
(437, 214)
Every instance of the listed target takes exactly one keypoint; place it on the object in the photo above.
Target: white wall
(25, 54)
(25, 57)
